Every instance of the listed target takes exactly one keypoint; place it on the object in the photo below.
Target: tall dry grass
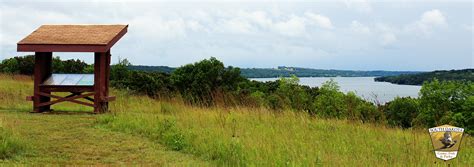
(257, 136)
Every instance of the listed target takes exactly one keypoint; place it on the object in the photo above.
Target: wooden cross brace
(71, 98)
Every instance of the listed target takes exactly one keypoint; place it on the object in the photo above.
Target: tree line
(25, 64)
(420, 78)
(283, 71)
(210, 83)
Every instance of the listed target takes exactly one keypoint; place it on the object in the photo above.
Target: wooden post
(107, 79)
(101, 80)
(41, 72)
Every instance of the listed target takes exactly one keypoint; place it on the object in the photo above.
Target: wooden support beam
(41, 72)
(78, 93)
(69, 99)
(65, 88)
(110, 98)
(101, 77)
(90, 99)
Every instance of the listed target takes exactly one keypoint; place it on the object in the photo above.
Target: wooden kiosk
(72, 38)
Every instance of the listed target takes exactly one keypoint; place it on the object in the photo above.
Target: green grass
(70, 135)
(259, 137)
(10, 146)
(140, 130)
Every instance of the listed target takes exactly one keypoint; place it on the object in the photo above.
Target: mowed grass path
(71, 138)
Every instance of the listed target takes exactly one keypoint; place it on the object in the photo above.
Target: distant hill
(308, 72)
(283, 71)
(164, 69)
(418, 79)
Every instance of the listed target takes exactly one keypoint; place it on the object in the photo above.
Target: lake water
(364, 87)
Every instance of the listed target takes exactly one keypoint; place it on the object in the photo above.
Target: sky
(339, 34)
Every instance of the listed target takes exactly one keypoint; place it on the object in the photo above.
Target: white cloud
(320, 20)
(363, 6)
(427, 23)
(159, 28)
(258, 17)
(195, 25)
(164, 32)
(13, 30)
(294, 26)
(237, 25)
(359, 27)
(433, 17)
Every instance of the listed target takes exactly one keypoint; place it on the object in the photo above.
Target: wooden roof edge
(61, 48)
(117, 37)
(125, 28)
(22, 47)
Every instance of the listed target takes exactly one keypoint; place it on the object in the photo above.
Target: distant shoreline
(283, 71)
(464, 75)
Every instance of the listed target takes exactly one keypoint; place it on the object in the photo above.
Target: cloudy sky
(338, 34)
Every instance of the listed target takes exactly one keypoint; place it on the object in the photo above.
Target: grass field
(140, 130)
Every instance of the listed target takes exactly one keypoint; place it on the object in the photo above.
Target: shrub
(446, 102)
(197, 82)
(258, 97)
(70, 66)
(368, 112)
(293, 95)
(275, 102)
(19, 65)
(25, 65)
(402, 111)
(330, 103)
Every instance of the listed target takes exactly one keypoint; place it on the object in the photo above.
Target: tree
(446, 102)
(330, 103)
(197, 82)
(402, 111)
(119, 73)
(10, 66)
(293, 94)
(25, 65)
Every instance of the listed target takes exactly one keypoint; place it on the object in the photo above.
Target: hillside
(308, 72)
(418, 79)
(141, 130)
(283, 71)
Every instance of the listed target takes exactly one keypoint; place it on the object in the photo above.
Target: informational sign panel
(70, 80)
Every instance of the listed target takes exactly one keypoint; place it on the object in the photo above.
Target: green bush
(466, 118)
(330, 103)
(18, 65)
(402, 111)
(293, 94)
(436, 100)
(258, 97)
(446, 102)
(70, 66)
(153, 84)
(197, 82)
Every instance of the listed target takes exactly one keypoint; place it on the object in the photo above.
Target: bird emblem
(447, 141)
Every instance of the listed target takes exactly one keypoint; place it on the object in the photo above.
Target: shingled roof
(72, 38)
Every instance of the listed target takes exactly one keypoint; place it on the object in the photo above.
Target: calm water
(364, 87)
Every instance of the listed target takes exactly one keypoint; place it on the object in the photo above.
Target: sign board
(446, 140)
(70, 80)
